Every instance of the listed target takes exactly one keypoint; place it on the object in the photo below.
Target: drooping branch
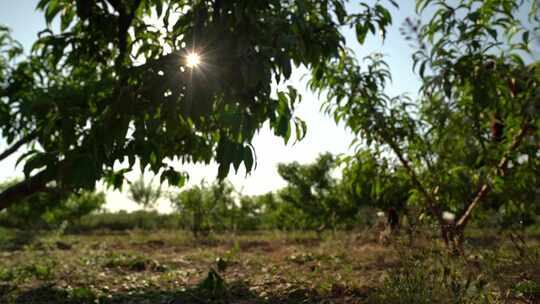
(501, 170)
(28, 138)
(25, 188)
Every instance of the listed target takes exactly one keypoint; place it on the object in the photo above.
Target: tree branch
(125, 19)
(412, 174)
(501, 170)
(25, 188)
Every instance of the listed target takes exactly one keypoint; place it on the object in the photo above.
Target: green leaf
(525, 37)
(173, 177)
(249, 160)
(361, 32)
(53, 9)
(81, 171)
(66, 19)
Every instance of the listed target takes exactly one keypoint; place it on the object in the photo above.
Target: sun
(193, 60)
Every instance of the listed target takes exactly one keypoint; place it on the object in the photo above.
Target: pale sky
(323, 134)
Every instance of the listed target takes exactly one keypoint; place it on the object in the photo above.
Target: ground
(258, 267)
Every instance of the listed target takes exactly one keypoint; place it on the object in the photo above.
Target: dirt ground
(173, 267)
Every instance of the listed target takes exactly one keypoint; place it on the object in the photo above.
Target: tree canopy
(113, 85)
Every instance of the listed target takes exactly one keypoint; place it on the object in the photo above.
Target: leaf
(422, 68)
(66, 19)
(249, 160)
(284, 129)
(361, 32)
(159, 8)
(300, 128)
(492, 32)
(525, 37)
(80, 171)
(286, 67)
(173, 177)
(53, 9)
(37, 161)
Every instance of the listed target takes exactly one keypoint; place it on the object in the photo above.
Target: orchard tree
(189, 203)
(313, 190)
(369, 179)
(207, 207)
(158, 81)
(474, 128)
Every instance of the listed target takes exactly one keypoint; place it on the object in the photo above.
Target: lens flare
(193, 60)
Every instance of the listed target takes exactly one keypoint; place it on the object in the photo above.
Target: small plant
(82, 295)
(214, 284)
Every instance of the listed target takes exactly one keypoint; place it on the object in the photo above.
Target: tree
(204, 208)
(144, 193)
(248, 215)
(115, 85)
(312, 190)
(444, 140)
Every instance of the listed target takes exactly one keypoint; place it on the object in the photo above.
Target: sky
(323, 134)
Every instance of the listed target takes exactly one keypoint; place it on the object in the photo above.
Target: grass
(262, 267)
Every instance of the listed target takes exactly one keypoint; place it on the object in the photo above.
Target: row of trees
(330, 193)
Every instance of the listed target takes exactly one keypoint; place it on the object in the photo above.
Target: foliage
(144, 193)
(370, 179)
(505, 273)
(314, 192)
(204, 208)
(438, 281)
(473, 130)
